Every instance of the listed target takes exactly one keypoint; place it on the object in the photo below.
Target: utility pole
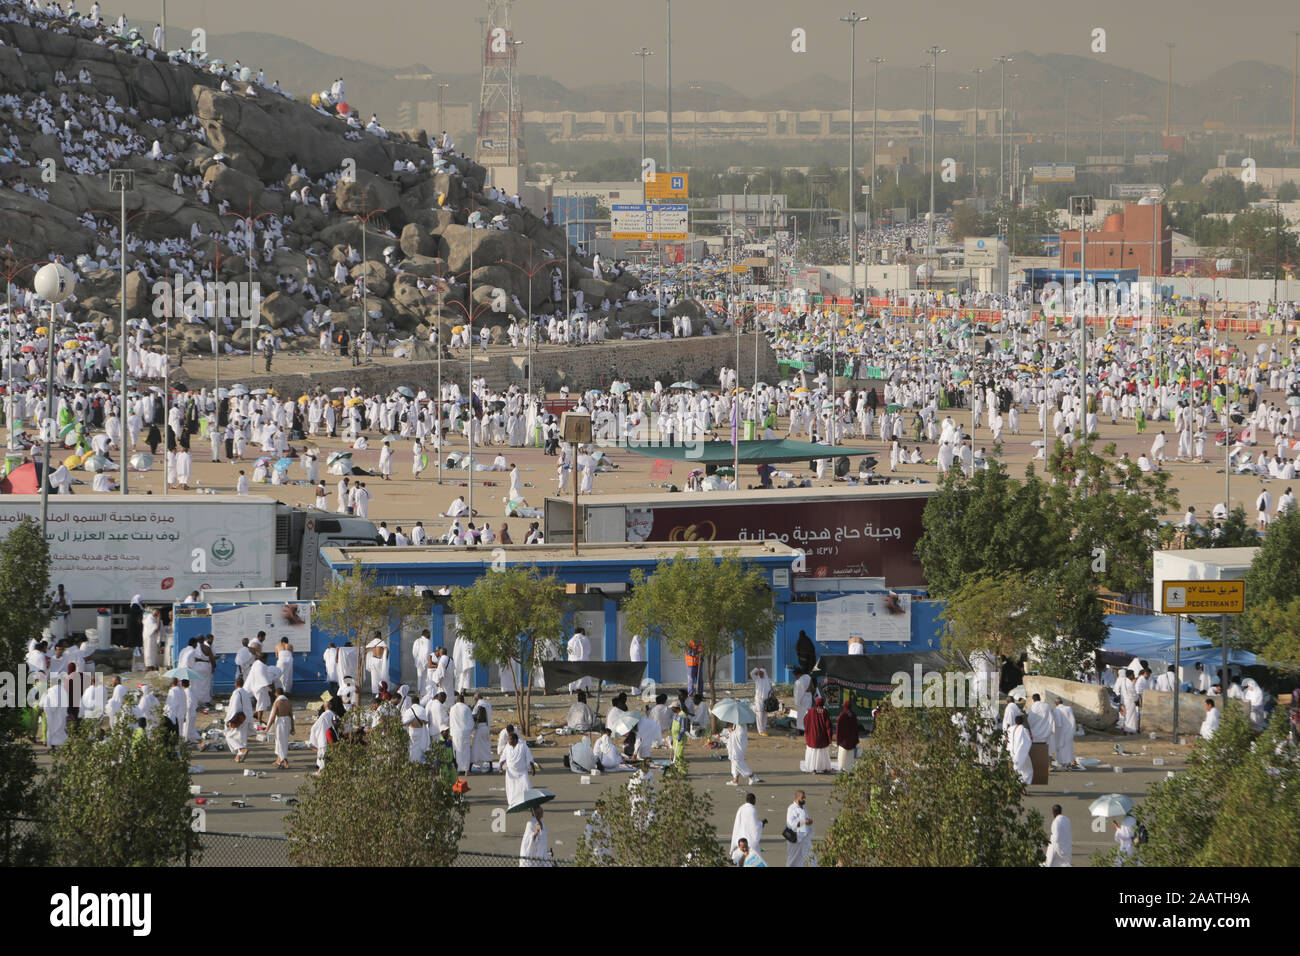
(668, 138)
(975, 146)
(1169, 89)
(852, 20)
(871, 197)
(934, 51)
(1002, 126)
(643, 53)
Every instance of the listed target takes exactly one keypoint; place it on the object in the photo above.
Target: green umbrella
(532, 798)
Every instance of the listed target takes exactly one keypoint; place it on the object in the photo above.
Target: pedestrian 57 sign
(1203, 597)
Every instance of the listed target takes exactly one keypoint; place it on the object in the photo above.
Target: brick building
(1124, 241)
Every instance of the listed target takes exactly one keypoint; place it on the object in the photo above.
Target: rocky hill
(206, 145)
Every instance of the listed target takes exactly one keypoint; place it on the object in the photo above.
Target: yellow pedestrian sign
(671, 186)
(1203, 597)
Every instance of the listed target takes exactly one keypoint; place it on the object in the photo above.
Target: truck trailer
(105, 549)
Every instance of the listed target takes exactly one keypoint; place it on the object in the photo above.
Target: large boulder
(1157, 712)
(1090, 702)
(239, 189)
(488, 246)
(366, 194)
(416, 241)
(279, 309)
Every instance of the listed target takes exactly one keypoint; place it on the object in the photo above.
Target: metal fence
(242, 849)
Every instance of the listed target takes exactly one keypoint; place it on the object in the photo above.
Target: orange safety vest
(693, 651)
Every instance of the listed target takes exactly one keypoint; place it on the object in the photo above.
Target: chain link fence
(241, 849)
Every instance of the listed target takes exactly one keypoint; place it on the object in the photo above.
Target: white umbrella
(625, 723)
(1111, 805)
(732, 711)
(183, 673)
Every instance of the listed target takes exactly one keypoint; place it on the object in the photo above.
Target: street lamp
(1065, 142)
(54, 282)
(1002, 125)
(934, 52)
(643, 53)
(871, 196)
(852, 20)
(975, 146)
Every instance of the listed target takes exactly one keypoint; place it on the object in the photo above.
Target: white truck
(105, 549)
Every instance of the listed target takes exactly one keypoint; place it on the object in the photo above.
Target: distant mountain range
(1247, 94)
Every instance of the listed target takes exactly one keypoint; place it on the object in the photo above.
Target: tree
(24, 611)
(372, 806)
(1274, 576)
(1071, 626)
(513, 618)
(355, 607)
(989, 612)
(1225, 194)
(118, 799)
(652, 823)
(719, 604)
(988, 522)
(965, 222)
(1280, 621)
(927, 793)
(1237, 803)
(1288, 192)
(1234, 532)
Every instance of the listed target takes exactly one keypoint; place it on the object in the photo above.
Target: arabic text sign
(1203, 597)
(668, 221)
(629, 222)
(106, 553)
(850, 537)
(666, 186)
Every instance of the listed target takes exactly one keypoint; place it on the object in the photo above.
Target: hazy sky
(747, 44)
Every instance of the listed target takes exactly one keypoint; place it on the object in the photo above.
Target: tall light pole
(668, 133)
(1065, 141)
(934, 52)
(695, 89)
(852, 20)
(442, 108)
(643, 53)
(1101, 118)
(54, 282)
(975, 146)
(875, 88)
(1295, 81)
(1002, 126)
(1169, 89)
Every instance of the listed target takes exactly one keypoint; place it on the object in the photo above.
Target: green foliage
(1288, 192)
(355, 608)
(1071, 625)
(1279, 623)
(1237, 803)
(1236, 531)
(718, 604)
(989, 612)
(24, 611)
(371, 806)
(923, 794)
(514, 619)
(1274, 576)
(664, 822)
(117, 799)
(1225, 194)
(988, 522)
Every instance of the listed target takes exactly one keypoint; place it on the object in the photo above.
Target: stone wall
(641, 362)
(579, 367)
